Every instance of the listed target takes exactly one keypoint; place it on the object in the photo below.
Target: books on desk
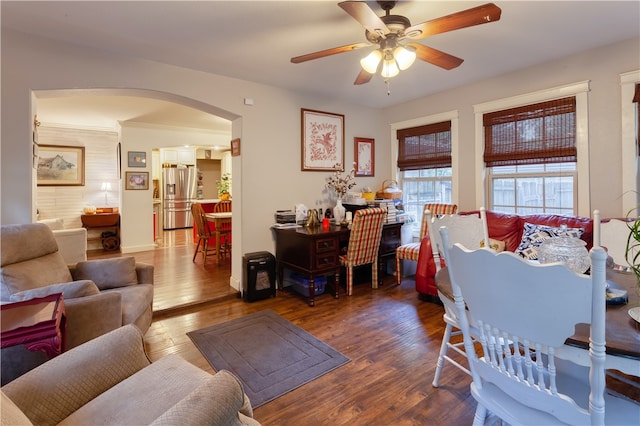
(285, 225)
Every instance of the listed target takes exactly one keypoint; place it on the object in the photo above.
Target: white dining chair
(524, 312)
(470, 231)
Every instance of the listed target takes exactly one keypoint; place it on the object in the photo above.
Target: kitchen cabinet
(187, 157)
(178, 156)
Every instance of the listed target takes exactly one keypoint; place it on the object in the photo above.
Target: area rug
(270, 355)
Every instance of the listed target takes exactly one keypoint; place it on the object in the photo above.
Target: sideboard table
(39, 324)
(108, 224)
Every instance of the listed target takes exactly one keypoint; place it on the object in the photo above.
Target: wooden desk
(314, 251)
(39, 324)
(219, 219)
(311, 252)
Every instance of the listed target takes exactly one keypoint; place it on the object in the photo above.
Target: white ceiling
(255, 40)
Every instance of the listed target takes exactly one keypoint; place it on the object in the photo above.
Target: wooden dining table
(622, 333)
(219, 219)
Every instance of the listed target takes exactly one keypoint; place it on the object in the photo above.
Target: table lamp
(106, 187)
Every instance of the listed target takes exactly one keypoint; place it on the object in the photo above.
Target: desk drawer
(391, 239)
(326, 260)
(326, 244)
(391, 233)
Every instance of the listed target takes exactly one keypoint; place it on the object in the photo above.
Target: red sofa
(503, 227)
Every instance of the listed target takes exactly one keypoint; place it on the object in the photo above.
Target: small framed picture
(235, 147)
(137, 159)
(136, 180)
(364, 156)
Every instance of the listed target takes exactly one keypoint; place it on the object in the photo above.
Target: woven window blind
(636, 99)
(425, 147)
(532, 134)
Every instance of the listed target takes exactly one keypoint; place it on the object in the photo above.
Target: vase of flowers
(224, 185)
(340, 185)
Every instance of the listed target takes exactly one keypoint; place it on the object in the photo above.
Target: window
(424, 160)
(533, 189)
(630, 110)
(530, 158)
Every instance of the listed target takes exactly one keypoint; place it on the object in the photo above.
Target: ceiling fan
(389, 32)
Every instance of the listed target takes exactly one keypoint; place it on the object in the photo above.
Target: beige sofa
(110, 380)
(72, 242)
(99, 295)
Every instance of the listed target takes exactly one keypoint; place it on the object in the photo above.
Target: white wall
(267, 175)
(601, 66)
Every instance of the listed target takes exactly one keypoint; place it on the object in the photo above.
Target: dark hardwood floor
(391, 337)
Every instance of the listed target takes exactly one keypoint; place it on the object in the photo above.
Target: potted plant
(224, 185)
(632, 251)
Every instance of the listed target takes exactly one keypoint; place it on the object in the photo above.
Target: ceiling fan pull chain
(388, 87)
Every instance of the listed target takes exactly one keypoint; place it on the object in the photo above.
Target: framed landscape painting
(60, 165)
(322, 140)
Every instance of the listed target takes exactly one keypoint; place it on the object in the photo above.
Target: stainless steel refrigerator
(179, 185)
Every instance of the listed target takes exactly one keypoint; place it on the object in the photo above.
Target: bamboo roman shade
(532, 134)
(425, 147)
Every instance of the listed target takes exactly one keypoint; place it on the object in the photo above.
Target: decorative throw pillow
(108, 273)
(534, 235)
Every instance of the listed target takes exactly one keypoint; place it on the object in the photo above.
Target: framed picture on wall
(364, 155)
(137, 159)
(60, 165)
(136, 180)
(322, 140)
(235, 147)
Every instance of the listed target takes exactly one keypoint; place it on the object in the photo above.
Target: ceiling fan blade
(467, 18)
(363, 77)
(361, 12)
(436, 57)
(329, 52)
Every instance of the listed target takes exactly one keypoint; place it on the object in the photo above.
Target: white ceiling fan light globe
(370, 62)
(405, 56)
(389, 68)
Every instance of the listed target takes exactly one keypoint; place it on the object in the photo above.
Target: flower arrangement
(341, 184)
(224, 184)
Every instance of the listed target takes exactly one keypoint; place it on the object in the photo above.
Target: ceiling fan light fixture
(405, 56)
(389, 67)
(370, 62)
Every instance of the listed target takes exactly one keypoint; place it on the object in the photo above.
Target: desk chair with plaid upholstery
(411, 251)
(364, 242)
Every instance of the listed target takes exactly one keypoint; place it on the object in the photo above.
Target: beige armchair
(100, 295)
(110, 380)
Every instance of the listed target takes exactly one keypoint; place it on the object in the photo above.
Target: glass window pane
(504, 192)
